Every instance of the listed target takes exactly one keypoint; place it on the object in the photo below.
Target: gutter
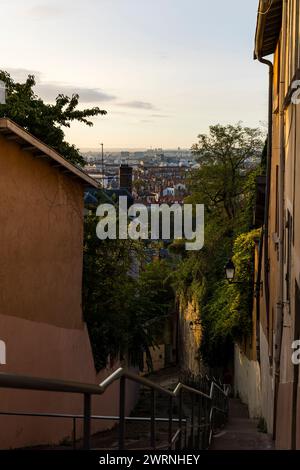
(263, 6)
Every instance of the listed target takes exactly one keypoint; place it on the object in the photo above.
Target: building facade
(277, 48)
(41, 322)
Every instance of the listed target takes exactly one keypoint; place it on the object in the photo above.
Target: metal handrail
(117, 374)
(52, 385)
(121, 374)
(81, 416)
(48, 385)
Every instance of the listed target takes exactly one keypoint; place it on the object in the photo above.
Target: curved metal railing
(212, 407)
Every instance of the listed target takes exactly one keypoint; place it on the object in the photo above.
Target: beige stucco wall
(41, 240)
(290, 62)
(41, 248)
(286, 146)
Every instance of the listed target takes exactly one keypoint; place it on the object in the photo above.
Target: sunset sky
(163, 69)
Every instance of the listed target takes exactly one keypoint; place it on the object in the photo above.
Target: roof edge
(268, 27)
(7, 126)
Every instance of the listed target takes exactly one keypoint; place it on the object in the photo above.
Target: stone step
(242, 424)
(241, 433)
(237, 409)
(241, 440)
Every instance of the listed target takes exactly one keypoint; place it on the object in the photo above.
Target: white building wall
(267, 383)
(247, 382)
(254, 384)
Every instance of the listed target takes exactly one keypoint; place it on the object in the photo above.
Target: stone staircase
(241, 432)
(138, 432)
(138, 429)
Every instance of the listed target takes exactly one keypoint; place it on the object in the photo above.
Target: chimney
(126, 177)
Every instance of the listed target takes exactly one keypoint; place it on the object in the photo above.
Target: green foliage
(45, 121)
(226, 317)
(229, 158)
(124, 313)
(107, 290)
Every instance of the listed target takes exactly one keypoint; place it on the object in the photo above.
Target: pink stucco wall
(50, 351)
(41, 253)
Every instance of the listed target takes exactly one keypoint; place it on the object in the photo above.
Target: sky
(164, 70)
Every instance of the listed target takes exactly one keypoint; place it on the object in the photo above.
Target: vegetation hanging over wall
(229, 158)
(227, 316)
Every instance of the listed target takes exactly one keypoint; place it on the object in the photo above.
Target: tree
(227, 156)
(45, 121)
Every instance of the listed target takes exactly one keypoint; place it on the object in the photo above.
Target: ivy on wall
(229, 162)
(226, 317)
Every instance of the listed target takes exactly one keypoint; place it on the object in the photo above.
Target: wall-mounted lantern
(230, 274)
(229, 270)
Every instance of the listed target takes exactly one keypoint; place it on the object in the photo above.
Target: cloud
(137, 105)
(159, 115)
(44, 11)
(49, 91)
(20, 74)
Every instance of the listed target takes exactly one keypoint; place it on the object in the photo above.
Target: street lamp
(229, 270)
(230, 274)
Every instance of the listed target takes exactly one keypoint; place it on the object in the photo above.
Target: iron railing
(199, 413)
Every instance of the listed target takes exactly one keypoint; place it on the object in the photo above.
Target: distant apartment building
(42, 330)
(278, 264)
